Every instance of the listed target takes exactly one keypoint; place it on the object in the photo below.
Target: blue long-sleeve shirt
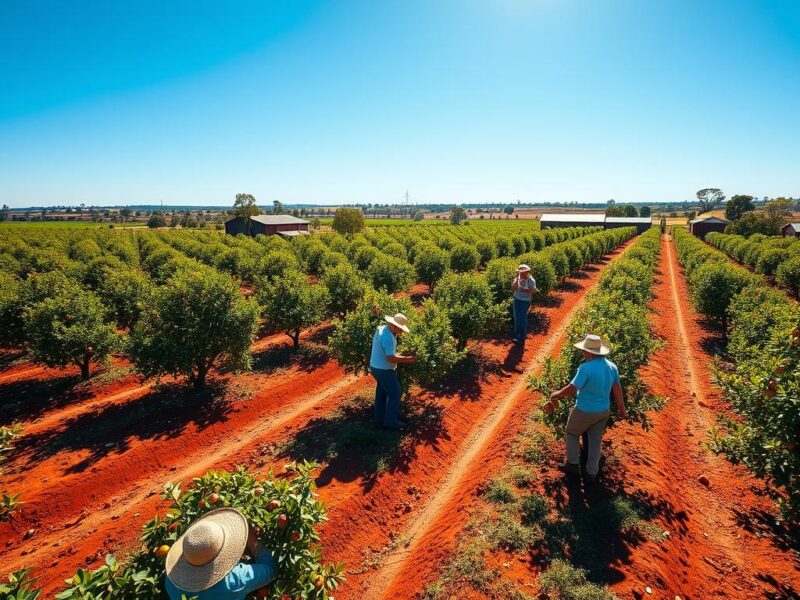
(242, 580)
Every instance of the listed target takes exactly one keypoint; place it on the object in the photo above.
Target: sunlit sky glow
(190, 102)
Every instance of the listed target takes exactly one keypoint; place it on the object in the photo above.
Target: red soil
(723, 539)
(90, 472)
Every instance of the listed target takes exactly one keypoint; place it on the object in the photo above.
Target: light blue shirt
(594, 380)
(529, 283)
(236, 585)
(384, 343)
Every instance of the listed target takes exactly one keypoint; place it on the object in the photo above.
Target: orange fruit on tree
(319, 581)
(162, 551)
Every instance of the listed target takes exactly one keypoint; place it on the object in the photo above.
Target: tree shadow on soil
(351, 447)
(782, 592)
(309, 357)
(9, 358)
(29, 399)
(467, 379)
(764, 524)
(162, 414)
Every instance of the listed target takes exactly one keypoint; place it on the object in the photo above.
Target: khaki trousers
(593, 424)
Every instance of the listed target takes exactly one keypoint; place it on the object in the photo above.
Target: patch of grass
(500, 491)
(535, 509)
(562, 581)
(521, 476)
(466, 567)
(507, 533)
(534, 448)
(623, 514)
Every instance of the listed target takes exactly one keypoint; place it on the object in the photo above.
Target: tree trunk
(85, 369)
(200, 377)
(295, 340)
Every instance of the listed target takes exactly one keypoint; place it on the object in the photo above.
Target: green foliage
(487, 251)
(467, 300)
(20, 586)
(390, 274)
(351, 340)
(72, 327)
(500, 491)
(348, 220)
(277, 262)
(8, 502)
(345, 288)
(464, 258)
(245, 206)
(457, 215)
(737, 206)
(535, 509)
(431, 264)
(192, 324)
(291, 304)
(751, 223)
(562, 581)
(433, 345)
(788, 275)
(714, 285)
(295, 545)
(126, 292)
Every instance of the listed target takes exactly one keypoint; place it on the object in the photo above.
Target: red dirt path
(723, 540)
(90, 473)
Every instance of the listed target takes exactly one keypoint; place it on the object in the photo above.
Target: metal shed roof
(632, 220)
(278, 220)
(293, 233)
(573, 217)
(709, 220)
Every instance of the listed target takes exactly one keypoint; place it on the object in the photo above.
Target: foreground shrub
(562, 581)
(433, 345)
(788, 275)
(284, 510)
(713, 287)
(464, 258)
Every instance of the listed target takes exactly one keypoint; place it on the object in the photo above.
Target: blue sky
(190, 102)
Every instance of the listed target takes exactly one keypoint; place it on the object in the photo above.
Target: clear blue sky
(192, 101)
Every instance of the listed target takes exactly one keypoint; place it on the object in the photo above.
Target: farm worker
(383, 366)
(596, 380)
(523, 286)
(204, 562)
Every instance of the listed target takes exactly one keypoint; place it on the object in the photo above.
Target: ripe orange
(202, 505)
(295, 536)
(273, 505)
(213, 498)
(262, 592)
(319, 581)
(259, 491)
(283, 521)
(161, 552)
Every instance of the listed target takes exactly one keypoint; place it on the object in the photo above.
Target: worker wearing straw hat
(523, 286)
(383, 366)
(205, 561)
(595, 382)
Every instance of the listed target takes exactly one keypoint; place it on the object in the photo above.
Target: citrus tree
(291, 304)
(390, 274)
(72, 327)
(195, 322)
(348, 220)
(432, 345)
(345, 288)
(467, 301)
(431, 264)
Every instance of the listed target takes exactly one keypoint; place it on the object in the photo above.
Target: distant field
(65, 225)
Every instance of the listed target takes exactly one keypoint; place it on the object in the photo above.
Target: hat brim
(528, 270)
(603, 350)
(396, 324)
(191, 578)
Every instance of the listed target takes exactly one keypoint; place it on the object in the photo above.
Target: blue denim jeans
(387, 396)
(521, 308)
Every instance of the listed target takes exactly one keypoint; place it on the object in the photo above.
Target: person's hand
(252, 538)
(410, 359)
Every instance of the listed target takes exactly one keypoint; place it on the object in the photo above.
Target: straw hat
(523, 269)
(594, 344)
(399, 320)
(209, 549)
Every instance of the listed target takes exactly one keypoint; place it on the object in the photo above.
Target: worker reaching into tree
(523, 286)
(383, 366)
(596, 380)
(205, 561)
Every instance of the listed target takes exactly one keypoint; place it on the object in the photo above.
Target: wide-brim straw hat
(399, 320)
(208, 550)
(523, 269)
(594, 344)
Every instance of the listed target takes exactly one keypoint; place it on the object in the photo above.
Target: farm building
(642, 224)
(285, 225)
(572, 219)
(791, 230)
(702, 227)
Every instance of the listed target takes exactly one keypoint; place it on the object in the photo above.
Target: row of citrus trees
(515, 518)
(775, 257)
(760, 374)
(617, 310)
